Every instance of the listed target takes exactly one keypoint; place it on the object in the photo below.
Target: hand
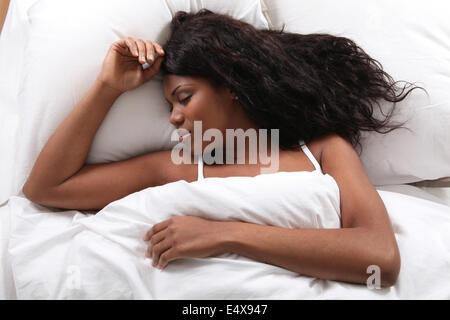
(122, 67)
(184, 237)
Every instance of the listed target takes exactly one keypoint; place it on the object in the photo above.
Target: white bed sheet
(420, 224)
(7, 289)
(438, 195)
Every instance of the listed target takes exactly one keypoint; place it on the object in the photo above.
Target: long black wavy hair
(306, 86)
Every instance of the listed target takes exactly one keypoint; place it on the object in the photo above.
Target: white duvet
(69, 255)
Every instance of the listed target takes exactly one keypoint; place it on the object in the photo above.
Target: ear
(233, 95)
(228, 92)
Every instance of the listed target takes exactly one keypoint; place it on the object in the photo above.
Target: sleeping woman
(318, 90)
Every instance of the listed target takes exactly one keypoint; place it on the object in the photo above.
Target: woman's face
(195, 99)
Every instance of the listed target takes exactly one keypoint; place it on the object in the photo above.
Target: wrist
(226, 235)
(105, 88)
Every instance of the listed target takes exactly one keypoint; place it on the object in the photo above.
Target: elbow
(30, 192)
(35, 194)
(390, 267)
(391, 274)
(382, 263)
(53, 197)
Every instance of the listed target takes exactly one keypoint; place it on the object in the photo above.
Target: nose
(177, 117)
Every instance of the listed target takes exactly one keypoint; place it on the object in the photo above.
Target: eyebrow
(175, 90)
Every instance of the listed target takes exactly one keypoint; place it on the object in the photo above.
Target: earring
(236, 98)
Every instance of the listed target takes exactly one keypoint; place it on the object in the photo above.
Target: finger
(166, 257)
(150, 51)
(142, 50)
(157, 238)
(159, 249)
(132, 46)
(156, 228)
(158, 48)
(153, 69)
(121, 44)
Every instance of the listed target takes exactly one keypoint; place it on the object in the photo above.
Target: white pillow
(12, 41)
(411, 40)
(68, 42)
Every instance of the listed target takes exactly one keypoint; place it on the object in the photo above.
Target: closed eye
(185, 100)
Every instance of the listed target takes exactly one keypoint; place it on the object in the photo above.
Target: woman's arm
(66, 150)
(60, 164)
(331, 254)
(366, 237)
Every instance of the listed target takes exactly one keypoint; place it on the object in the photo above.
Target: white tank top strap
(302, 144)
(310, 156)
(200, 168)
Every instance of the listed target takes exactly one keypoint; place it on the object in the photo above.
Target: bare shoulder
(331, 149)
(359, 198)
(324, 146)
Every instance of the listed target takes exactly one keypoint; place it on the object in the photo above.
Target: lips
(184, 134)
(184, 137)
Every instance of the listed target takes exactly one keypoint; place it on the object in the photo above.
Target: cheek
(197, 108)
(210, 119)
(208, 107)
(202, 109)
